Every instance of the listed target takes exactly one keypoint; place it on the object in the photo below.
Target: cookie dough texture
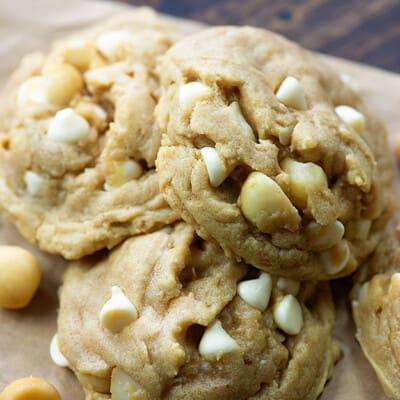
(78, 138)
(266, 110)
(375, 304)
(179, 285)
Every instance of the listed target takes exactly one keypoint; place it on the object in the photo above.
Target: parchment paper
(27, 25)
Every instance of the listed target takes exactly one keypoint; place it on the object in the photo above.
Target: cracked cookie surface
(78, 138)
(268, 153)
(197, 331)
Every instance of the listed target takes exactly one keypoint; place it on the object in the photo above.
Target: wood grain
(360, 30)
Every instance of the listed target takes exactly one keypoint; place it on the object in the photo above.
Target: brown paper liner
(25, 335)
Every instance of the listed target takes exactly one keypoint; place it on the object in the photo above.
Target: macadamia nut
(323, 237)
(216, 342)
(61, 83)
(93, 113)
(30, 389)
(256, 292)
(291, 94)
(304, 179)
(78, 53)
(19, 277)
(121, 172)
(118, 311)
(265, 205)
(336, 258)
(215, 165)
(95, 383)
(124, 387)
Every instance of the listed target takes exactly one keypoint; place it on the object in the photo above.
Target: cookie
(268, 153)
(375, 304)
(168, 315)
(79, 141)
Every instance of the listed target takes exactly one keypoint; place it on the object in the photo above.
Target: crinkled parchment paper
(27, 25)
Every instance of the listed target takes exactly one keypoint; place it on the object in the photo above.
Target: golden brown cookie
(376, 304)
(168, 315)
(79, 141)
(268, 153)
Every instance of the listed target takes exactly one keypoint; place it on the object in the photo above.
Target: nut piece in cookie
(205, 327)
(79, 141)
(268, 153)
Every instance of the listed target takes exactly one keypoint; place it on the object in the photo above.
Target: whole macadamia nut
(19, 277)
(30, 389)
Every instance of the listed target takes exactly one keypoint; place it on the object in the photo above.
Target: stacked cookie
(375, 304)
(229, 171)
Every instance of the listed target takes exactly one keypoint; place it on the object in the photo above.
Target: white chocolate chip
(109, 42)
(32, 91)
(285, 135)
(324, 237)
(100, 112)
(256, 292)
(108, 188)
(350, 81)
(55, 353)
(131, 170)
(394, 286)
(118, 311)
(304, 179)
(351, 117)
(245, 127)
(215, 165)
(216, 342)
(291, 94)
(35, 184)
(68, 127)
(396, 276)
(288, 315)
(363, 292)
(288, 286)
(265, 205)
(193, 92)
(336, 258)
(124, 387)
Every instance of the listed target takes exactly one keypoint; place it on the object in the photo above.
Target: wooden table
(367, 31)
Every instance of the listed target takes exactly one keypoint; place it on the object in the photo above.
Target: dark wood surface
(366, 31)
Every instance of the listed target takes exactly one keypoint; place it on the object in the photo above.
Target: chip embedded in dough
(78, 137)
(195, 336)
(269, 110)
